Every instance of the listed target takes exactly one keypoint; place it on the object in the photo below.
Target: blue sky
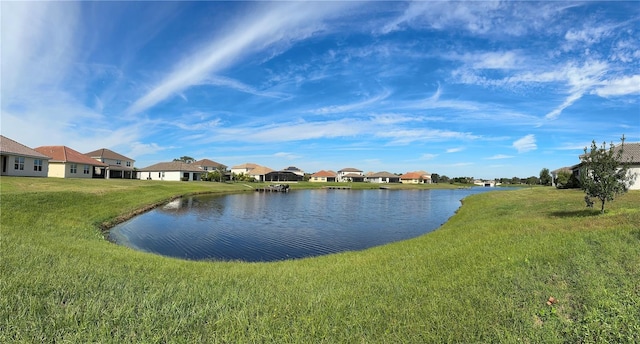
(481, 89)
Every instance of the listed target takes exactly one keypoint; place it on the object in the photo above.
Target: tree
(533, 180)
(562, 181)
(186, 159)
(545, 177)
(604, 175)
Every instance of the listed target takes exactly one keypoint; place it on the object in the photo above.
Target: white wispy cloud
(619, 87)
(525, 144)
(275, 24)
(428, 156)
(455, 150)
(241, 87)
(353, 106)
(499, 156)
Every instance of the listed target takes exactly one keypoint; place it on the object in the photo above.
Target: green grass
(483, 277)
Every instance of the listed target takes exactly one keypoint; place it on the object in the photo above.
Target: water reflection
(276, 226)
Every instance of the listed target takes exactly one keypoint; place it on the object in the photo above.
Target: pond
(276, 226)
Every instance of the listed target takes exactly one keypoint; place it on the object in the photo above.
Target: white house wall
(174, 176)
(636, 183)
(9, 169)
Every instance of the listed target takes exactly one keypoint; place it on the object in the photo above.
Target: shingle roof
(383, 174)
(172, 166)
(245, 166)
(411, 175)
(260, 170)
(350, 169)
(107, 154)
(10, 146)
(324, 173)
(207, 162)
(66, 154)
(630, 152)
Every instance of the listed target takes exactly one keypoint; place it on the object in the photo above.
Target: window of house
(37, 165)
(86, 169)
(19, 165)
(118, 162)
(73, 168)
(128, 163)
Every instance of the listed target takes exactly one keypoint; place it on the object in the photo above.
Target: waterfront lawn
(485, 276)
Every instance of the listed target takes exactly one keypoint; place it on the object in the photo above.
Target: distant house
(556, 173)
(68, 163)
(210, 165)
(350, 174)
(118, 165)
(426, 177)
(171, 171)
(253, 170)
(17, 159)
(412, 178)
(630, 154)
(323, 177)
(383, 177)
(283, 176)
(294, 170)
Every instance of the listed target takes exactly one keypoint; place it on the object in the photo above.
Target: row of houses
(65, 162)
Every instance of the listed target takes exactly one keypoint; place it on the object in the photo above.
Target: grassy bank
(485, 276)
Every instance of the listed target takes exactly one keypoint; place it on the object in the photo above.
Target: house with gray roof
(17, 159)
(383, 177)
(630, 155)
(118, 165)
(350, 174)
(171, 171)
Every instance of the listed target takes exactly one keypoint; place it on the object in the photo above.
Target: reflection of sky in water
(276, 226)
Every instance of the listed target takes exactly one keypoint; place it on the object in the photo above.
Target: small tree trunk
(602, 208)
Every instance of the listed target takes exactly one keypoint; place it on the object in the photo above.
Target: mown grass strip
(485, 276)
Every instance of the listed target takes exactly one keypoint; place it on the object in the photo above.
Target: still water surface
(277, 226)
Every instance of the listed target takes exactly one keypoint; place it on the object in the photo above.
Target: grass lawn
(485, 276)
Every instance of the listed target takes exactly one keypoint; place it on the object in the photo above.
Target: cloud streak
(275, 23)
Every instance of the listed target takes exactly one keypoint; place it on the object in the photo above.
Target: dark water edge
(261, 227)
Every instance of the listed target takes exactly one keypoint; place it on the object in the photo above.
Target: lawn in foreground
(485, 276)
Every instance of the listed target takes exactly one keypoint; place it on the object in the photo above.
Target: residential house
(350, 174)
(323, 177)
(412, 178)
(631, 155)
(171, 171)
(289, 174)
(485, 183)
(210, 165)
(253, 170)
(383, 177)
(118, 165)
(68, 163)
(294, 170)
(17, 159)
(556, 173)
